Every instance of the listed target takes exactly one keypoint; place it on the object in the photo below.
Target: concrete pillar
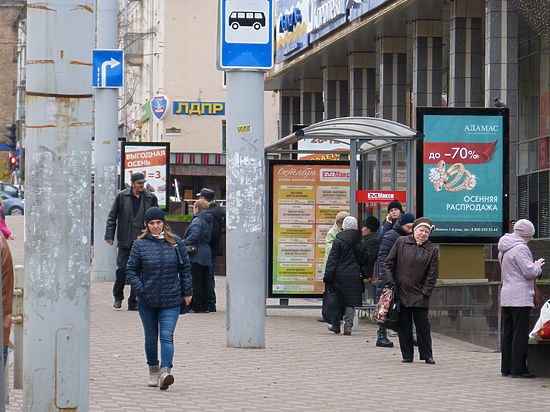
(311, 101)
(335, 87)
(362, 84)
(466, 53)
(427, 62)
(501, 74)
(393, 78)
(289, 112)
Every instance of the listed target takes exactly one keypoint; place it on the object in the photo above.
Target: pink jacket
(3, 228)
(518, 271)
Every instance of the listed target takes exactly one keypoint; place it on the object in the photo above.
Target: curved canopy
(371, 131)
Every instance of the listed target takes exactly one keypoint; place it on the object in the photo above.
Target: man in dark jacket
(127, 219)
(370, 245)
(218, 228)
(403, 227)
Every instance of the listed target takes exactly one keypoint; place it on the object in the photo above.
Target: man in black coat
(127, 219)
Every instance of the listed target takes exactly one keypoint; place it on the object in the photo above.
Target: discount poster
(151, 159)
(305, 201)
(463, 173)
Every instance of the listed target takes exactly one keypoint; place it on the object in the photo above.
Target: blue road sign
(245, 34)
(108, 68)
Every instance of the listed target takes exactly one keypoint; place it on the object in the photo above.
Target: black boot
(382, 339)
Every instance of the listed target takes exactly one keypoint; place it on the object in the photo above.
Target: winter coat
(7, 288)
(331, 235)
(155, 274)
(518, 271)
(415, 269)
(198, 233)
(370, 254)
(129, 226)
(387, 243)
(386, 227)
(218, 228)
(3, 227)
(343, 268)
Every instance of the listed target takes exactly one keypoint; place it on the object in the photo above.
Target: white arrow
(111, 63)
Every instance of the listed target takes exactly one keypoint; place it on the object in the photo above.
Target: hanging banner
(305, 199)
(462, 173)
(151, 159)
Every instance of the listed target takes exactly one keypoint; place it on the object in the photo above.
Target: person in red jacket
(7, 292)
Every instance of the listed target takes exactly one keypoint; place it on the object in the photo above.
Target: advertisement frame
(450, 111)
(271, 164)
(166, 145)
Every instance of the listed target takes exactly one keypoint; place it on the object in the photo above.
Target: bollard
(17, 326)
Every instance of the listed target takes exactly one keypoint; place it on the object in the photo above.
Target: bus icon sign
(245, 34)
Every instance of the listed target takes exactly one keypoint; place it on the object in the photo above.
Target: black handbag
(392, 319)
(331, 306)
(191, 249)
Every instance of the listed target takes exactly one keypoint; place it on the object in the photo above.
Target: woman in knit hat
(160, 272)
(413, 263)
(518, 274)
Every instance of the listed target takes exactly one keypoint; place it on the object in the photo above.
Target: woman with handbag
(413, 264)
(518, 274)
(159, 271)
(197, 241)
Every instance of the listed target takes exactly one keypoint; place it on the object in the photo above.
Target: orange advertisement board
(305, 201)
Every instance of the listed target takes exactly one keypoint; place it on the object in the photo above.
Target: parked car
(11, 190)
(12, 205)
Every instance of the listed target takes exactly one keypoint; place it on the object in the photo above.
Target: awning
(373, 133)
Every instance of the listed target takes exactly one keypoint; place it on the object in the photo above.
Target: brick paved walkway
(304, 368)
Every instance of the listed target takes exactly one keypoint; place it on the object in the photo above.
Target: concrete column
(466, 53)
(311, 101)
(289, 112)
(427, 63)
(393, 78)
(362, 84)
(335, 87)
(501, 74)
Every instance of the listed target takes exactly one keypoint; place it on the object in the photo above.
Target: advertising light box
(463, 173)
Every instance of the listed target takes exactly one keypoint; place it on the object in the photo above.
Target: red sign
(380, 196)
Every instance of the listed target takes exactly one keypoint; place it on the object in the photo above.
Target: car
(14, 206)
(11, 190)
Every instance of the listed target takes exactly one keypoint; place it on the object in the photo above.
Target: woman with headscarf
(343, 273)
(160, 273)
(519, 272)
(413, 263)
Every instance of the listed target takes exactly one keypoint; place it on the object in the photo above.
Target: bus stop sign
(245, 34)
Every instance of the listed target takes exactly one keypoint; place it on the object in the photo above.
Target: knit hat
(406, 218)
(524, 228)
(372, 223)
(394, 204)
(154, 213)
(423, 221)
(350, 223)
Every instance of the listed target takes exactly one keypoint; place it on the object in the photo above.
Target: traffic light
(14, 162)
(11, 135)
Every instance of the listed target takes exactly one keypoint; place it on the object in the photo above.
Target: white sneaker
(166, 378)
(154, 374)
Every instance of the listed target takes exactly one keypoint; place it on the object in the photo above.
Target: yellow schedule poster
(305, 201)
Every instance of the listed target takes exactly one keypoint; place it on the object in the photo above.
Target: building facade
(385, 58)
(170, 51)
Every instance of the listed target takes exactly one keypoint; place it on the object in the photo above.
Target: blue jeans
(153, 320)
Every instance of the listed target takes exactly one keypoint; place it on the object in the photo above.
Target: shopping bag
(544, 331)
(383, 306)
(543, 318)
(392, 317)
(331, 306)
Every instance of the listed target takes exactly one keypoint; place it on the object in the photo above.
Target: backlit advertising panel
(305, 198)
(361, 7)
(151, 159)
(291, 27)
(463, 173)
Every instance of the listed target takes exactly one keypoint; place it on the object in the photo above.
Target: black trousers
(120, 279)
(420, 316)
(200, 275)
(515, 339)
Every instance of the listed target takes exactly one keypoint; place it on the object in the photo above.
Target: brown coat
(415, 268)
(7, 287)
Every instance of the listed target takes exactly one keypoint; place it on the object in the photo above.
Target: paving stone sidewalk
(304, 368)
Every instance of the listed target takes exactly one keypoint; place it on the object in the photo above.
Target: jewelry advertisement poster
(463, 174)
(305, 201)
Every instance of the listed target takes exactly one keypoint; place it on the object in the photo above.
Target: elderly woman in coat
(198, 235)
(413, 263)
(343, 273)
(519, 272)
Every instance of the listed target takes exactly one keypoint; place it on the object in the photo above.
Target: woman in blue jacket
(160, 273)
(197, 236)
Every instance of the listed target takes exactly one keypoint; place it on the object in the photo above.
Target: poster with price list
(463, 173)
(151, 159)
